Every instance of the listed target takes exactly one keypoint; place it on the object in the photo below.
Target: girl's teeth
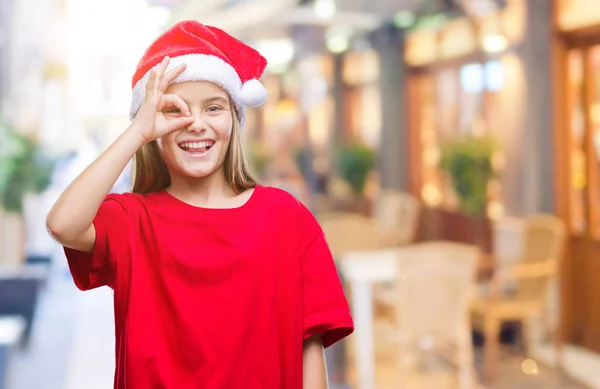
(196, 146)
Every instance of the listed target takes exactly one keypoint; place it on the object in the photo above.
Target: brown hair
(151, 175)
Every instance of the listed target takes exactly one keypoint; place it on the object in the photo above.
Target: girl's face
(198, 150)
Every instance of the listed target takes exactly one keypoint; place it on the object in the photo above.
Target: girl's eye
(173, 110)
(214, 108)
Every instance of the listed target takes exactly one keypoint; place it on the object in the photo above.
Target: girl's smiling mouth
(196, 148)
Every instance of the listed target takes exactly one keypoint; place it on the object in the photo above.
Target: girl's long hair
(150, 173)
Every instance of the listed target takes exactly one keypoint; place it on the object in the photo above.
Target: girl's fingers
(160, 71)
(177, 102)
(180, 122)
(151, 82)
(171, 75)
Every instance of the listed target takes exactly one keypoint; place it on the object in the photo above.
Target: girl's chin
(198, 171)
(185, 167)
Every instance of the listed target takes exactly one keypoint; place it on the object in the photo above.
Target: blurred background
(449, 148)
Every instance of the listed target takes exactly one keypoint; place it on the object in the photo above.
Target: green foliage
(354, 164)
(468, 162)
(23, 169)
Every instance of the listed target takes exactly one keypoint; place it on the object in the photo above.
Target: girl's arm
(314, 374)
(70, 221)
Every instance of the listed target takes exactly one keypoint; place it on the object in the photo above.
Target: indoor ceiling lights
(495, 43)
(337, 39)
(278, 52)
(324, 9)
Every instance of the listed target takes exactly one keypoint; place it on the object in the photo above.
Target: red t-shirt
(213, 298)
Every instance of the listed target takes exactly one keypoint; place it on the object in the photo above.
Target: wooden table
(361, 270)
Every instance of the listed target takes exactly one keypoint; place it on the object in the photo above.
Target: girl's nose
(199, 124)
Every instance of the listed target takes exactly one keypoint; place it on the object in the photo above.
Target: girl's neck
(211, 191)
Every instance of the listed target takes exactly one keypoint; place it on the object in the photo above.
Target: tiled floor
(510, 377)
(439, 376)
(580, 363)
(72, 342)
(45, 362)
(72, 348)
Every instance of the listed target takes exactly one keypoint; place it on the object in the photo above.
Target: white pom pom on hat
(210, 54)
(253, 93)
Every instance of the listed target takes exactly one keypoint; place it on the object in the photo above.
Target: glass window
(594, 138)
(578, 175)
(472, 78)
(454, 101)
(494, 76)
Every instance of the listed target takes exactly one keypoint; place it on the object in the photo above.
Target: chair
(518, 290)
(346, 231)
(394, 224)
(397, 214)
(431, 297)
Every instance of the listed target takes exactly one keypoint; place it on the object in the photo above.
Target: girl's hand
(151, 120)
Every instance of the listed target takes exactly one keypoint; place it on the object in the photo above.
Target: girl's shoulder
(126, 197)
(277, 200)
(290, 214)
(131, 201)
(275, 197)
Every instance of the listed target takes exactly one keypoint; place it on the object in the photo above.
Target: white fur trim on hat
(203, 67)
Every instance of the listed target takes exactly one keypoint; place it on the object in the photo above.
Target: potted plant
(468, 162)
(355, 162)
(24, 169)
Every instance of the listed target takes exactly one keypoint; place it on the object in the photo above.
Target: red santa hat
(210, 55)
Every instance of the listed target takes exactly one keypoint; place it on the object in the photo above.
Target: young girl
(219, 282)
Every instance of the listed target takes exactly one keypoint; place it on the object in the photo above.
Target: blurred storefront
(403, 92)
(527, 75)
(403, 88)
(455, 88)
(577, 128)
(292, 129)
(360, 76)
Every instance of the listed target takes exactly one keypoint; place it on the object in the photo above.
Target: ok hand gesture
(151, 121)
